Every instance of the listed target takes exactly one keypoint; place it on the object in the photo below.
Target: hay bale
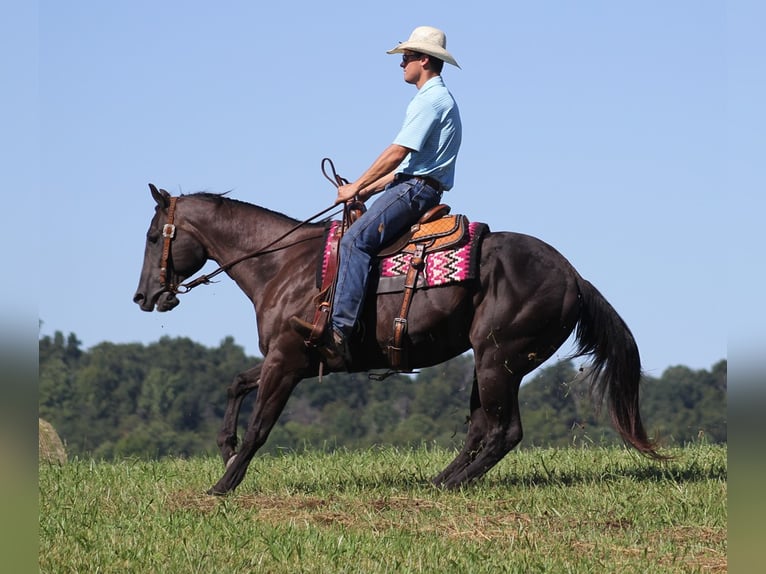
(50, 447)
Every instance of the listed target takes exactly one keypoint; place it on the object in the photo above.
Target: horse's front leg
(243, 384)
(275, 386)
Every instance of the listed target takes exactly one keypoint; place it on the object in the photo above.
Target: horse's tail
(615, 366)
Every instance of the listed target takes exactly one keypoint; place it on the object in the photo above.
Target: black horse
(524, 304)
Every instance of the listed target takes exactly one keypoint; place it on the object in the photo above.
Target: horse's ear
(161, 196)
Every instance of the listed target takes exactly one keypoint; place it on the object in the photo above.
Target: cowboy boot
(332, 344)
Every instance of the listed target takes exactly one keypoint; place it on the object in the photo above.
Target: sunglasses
(407, 58)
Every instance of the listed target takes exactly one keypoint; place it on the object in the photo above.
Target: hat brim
(423, 48)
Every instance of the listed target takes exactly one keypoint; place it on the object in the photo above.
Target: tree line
(168, 397)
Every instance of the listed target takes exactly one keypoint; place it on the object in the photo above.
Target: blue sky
(618, 132)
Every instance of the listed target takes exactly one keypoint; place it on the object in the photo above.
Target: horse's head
(172, 254)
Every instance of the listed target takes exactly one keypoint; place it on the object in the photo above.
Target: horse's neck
(234, 229)
(231, 230)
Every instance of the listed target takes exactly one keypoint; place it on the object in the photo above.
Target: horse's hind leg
(476, 431)
(243, 384)
(500, 429)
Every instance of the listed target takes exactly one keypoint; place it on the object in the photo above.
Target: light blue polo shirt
(432, 130)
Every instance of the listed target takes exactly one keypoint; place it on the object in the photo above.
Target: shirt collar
(435, 81)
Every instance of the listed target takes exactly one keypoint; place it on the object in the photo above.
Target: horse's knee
(243, 383)
(236, 386)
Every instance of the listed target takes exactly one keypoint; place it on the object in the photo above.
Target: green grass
(539, 510)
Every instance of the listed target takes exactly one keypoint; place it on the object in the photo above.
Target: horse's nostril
(138, 297)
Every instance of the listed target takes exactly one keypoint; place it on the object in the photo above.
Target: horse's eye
(152, 237)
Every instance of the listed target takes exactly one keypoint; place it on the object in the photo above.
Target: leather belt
(429, 181)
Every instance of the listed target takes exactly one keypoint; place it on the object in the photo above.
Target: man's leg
(397, 209)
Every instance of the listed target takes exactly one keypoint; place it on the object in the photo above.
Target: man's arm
(377, 176)
(376, 186)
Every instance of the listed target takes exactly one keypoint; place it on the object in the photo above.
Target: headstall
(168, 233)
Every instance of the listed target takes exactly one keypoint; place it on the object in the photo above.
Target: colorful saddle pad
(442, 267)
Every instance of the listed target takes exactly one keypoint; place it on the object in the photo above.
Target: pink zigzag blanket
(441, 267)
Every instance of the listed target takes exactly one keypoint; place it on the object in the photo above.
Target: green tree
(59, 360)
(168, 398)
(685, 405)
(555, 407)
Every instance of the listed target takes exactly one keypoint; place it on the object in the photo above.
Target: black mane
(220, 199)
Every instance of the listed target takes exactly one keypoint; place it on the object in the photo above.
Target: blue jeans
(397, 208)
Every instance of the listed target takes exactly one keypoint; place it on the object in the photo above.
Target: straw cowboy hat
(426, 40)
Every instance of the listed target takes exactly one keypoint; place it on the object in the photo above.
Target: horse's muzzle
(164, 301)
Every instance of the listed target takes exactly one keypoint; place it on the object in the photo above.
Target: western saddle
(434, 231)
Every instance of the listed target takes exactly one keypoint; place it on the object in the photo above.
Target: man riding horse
(522, 304)
(411, 173)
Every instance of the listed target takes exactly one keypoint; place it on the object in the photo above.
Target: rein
(169, 231)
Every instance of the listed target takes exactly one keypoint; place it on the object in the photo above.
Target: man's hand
(347, 192)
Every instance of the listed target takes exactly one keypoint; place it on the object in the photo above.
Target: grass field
(539, 510)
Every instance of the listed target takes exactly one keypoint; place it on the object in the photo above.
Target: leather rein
(169, 232)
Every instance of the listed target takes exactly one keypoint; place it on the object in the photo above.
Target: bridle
(169, 233)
